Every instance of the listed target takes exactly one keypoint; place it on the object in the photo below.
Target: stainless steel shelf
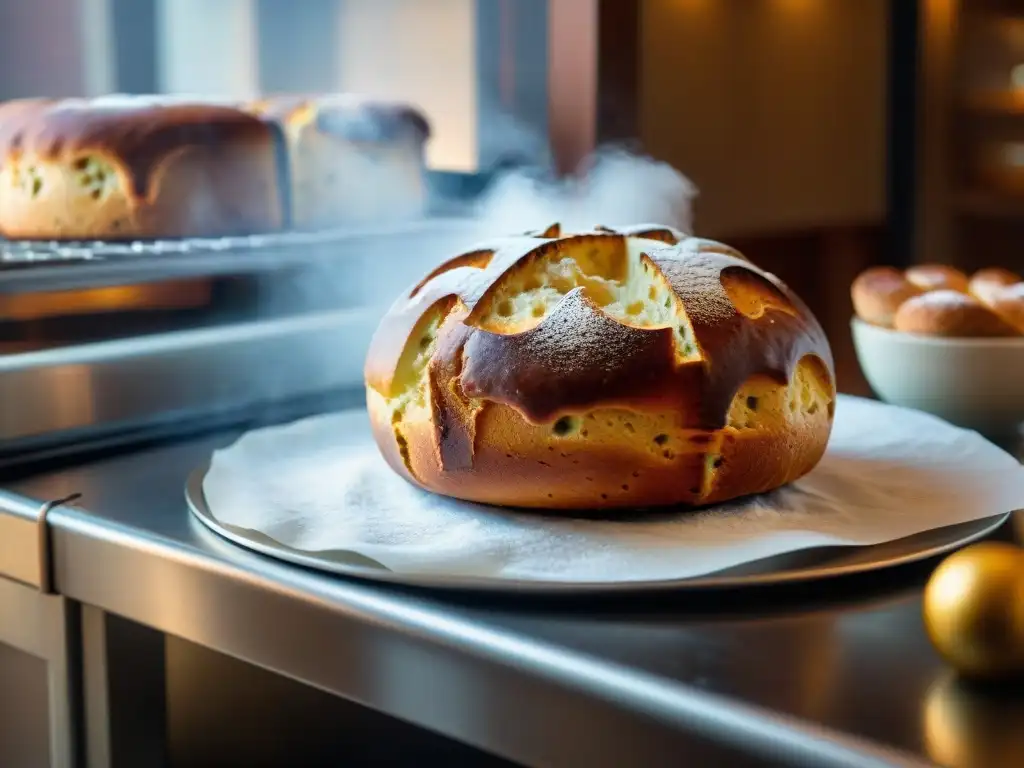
(27, 267)
(79, 394)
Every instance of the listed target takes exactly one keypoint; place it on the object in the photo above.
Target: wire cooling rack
(29, 266)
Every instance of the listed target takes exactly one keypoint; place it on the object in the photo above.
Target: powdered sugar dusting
(577, 336)
(944, 299)
(562, 343)
(696, 277)
(1013, 292)
(577, 357)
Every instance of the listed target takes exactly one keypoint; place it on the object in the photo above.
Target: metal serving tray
(800, 566)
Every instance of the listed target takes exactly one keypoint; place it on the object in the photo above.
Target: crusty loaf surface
(938, 300)
(609, 369)
(136, 167)
(352, 159)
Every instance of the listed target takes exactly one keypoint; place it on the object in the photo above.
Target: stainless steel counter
(836, 675)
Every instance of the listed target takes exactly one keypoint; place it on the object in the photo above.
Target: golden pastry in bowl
(934, 277)
(606, 369)
(957, 353)
(950, 313)
(937, 300)
(986, 283)
(879, 292)
(1008, 303)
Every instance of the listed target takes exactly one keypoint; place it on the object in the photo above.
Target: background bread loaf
(350, 159)
(136, 167)
(129, 167)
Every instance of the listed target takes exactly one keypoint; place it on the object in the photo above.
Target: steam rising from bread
(619, 188)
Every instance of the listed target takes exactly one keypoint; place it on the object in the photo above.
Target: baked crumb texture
(600, 370)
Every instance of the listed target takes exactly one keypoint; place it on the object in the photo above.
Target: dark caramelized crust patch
(744, 324)
(574, 360)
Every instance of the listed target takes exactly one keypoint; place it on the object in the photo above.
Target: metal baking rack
(35, 266)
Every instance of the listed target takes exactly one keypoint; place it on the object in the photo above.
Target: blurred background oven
(795, 119)
(822, 136)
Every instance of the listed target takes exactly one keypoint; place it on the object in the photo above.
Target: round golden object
(974, 610)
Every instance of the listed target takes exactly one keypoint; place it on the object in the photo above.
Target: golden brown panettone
(936, 300)
(136, 167)
(350, 159)
(125, 167)
(607, 369)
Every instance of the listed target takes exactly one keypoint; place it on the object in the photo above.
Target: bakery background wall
(727, 94)
(776, 109)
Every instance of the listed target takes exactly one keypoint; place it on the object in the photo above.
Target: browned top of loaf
(138, 131)
(348, 116)
(744, 320)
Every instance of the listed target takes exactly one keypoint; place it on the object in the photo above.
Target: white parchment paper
(319, 485)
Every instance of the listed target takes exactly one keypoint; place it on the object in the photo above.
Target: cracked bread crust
(126, 167)
(600, 370)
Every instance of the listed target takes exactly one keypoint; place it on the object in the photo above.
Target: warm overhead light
(795, 5)
(1013, 154)
(1017, 76)
(693, 5)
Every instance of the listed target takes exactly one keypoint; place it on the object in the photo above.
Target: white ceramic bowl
(974, 383)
